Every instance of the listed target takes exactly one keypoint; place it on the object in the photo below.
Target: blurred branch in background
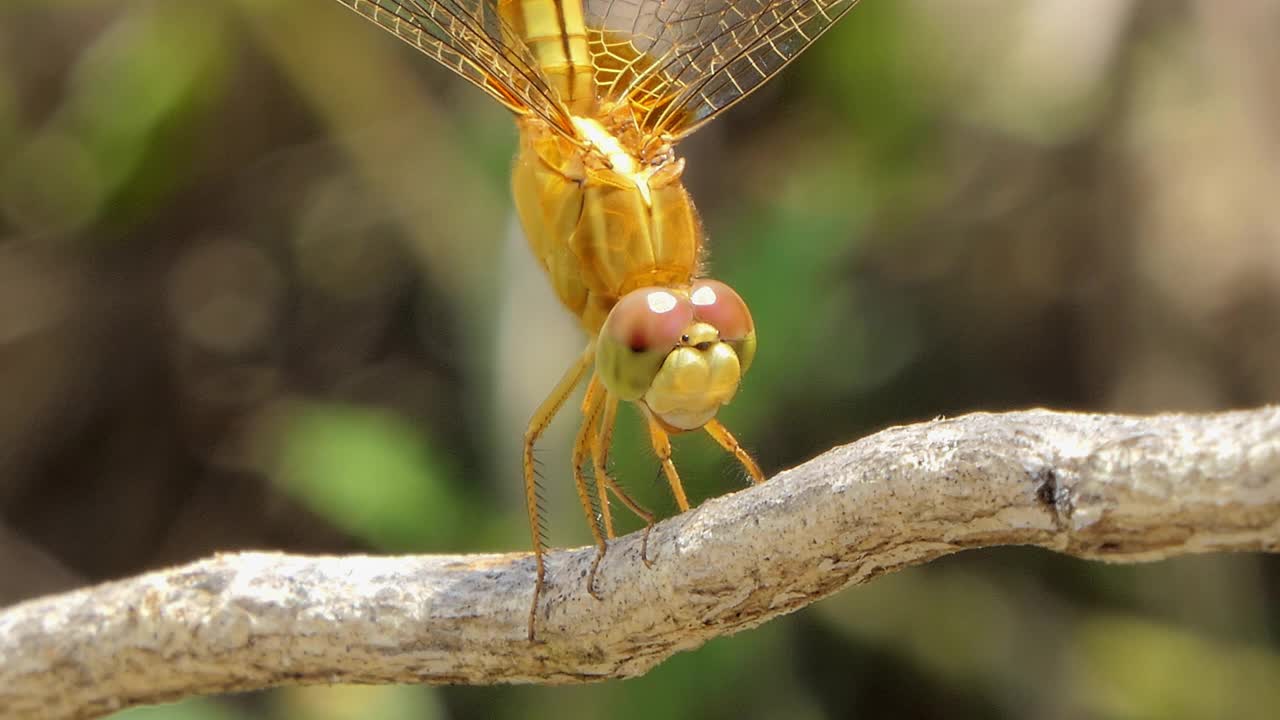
(1106, 487)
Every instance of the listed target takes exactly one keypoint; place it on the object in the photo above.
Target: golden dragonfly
(602, 90)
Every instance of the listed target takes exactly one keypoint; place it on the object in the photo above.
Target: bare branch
(1112, 488)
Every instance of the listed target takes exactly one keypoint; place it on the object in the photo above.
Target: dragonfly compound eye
(641, 330)
(717, 305)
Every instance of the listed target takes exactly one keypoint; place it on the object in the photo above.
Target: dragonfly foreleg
(662, 448)
(730, 444)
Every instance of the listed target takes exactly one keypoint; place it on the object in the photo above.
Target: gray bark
(1105, 487)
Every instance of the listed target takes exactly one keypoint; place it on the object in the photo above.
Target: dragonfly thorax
(615, 157)
(615, 134)
(602, 219)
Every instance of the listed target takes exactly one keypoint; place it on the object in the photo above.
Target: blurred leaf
(375, 475)
(750, 670)
(872, 70)
(8, 116)
(51, 184)
(358, 702)
(1128, 668)
(913, 613)
(746, 676)
(812, 321)
(135, 95)
(190, 709)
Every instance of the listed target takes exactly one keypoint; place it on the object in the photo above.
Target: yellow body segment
(605, 213)
(598, 190)
(556, 34)
(602, 224)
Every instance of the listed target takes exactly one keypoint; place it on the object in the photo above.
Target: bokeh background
(260, 287)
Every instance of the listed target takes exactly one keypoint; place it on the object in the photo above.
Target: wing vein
(680, 63)
(470, 38)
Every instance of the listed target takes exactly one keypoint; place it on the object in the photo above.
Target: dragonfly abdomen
(556, 35)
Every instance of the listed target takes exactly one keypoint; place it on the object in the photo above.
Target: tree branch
(1114, 488)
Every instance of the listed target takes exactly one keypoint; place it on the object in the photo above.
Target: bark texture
(1105, 487)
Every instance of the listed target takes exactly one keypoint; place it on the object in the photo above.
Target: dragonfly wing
(470, 38)
(682, 62)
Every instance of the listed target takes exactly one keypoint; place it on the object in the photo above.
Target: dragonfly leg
(600, 457)
(537, 425)
(600, 448)
(730, 444)
(662, 448)
(591, 407)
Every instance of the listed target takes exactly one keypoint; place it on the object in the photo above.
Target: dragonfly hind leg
(601, 438)
(537, 425)
(584, 443)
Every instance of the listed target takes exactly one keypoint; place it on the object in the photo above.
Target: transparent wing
(471, 39)
(682, 62)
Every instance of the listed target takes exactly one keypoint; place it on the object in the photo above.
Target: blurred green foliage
(376, 477)
(254, 293)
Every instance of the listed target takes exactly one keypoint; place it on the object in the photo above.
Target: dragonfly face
(602, 91)
(679, 352)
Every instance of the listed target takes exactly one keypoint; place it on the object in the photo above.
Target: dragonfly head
(680, 352)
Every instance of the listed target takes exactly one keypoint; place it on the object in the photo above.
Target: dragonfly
(602, 91)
